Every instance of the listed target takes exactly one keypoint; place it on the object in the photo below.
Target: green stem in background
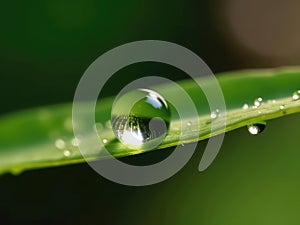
(43, 137)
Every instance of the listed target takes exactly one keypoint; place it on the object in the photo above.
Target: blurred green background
(47, 45)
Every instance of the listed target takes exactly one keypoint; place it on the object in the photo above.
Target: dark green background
(45, 48)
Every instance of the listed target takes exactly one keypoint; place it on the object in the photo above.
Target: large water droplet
(141, 118)
(256, 128)
(296, 95)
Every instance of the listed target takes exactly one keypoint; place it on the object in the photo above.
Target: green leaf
(43, 137)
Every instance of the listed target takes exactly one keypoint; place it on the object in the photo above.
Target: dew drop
(282, 108)
(189, 123)
(245, 106)
(256, 128)
(296, 95)
(104, 141)
(60, 144)
(257, 102)
(141, 118)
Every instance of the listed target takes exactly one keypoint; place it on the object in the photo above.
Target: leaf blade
(28, 138)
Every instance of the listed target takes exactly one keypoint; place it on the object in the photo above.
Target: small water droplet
(256, 128)
(60, 144)
(215, 114)
(257, 102)
(75, 142)
(282, 107)
(143, 124)
(296, 95)
(245, 106)
(104, 141)
(67, 153)
(189, 123)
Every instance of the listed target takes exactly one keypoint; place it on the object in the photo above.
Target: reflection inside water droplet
(142, 123)
(68, 124)
(67, 153)
(98, 127)
(60, 144)
(108, 124)
(16, 171)
(256, 128)
(75, 142)
(215, 114)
